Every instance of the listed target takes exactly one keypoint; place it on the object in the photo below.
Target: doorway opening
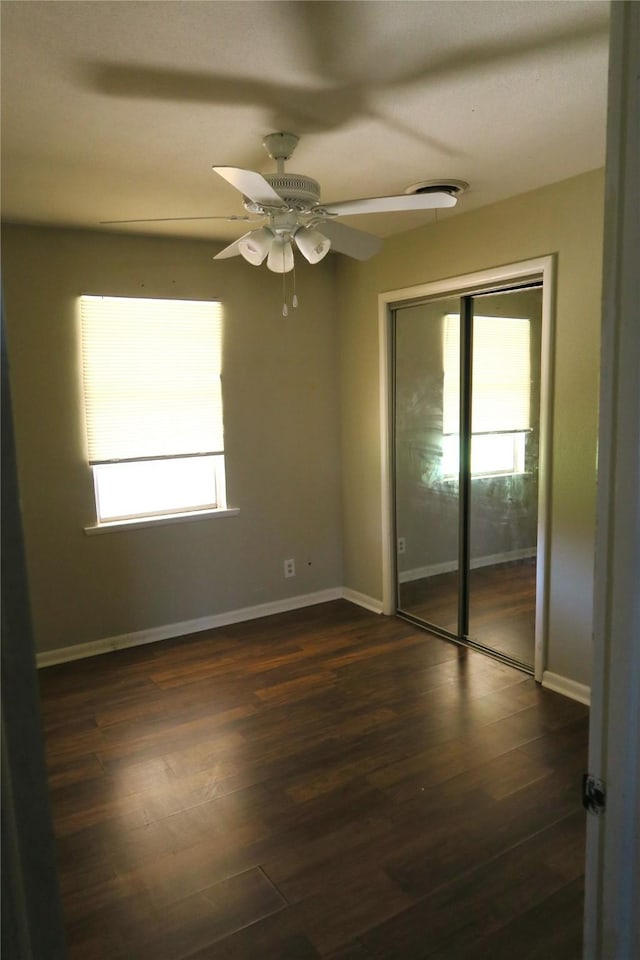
(467, 408)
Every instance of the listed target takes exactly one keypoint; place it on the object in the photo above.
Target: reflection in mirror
(504, 490)
(426, 489)
(486, 590)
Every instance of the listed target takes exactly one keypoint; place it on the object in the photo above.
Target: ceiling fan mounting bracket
(280, 146)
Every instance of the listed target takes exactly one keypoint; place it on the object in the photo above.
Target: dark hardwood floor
(502, 605)
(322, 783)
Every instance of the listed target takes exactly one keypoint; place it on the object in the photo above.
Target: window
(500, 415)
(153, 405)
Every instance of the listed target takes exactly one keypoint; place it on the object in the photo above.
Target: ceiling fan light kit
(312, 244)
(280, 258)
(255, 246)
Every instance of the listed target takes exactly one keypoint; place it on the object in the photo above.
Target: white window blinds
(151, 371)
(501, 375)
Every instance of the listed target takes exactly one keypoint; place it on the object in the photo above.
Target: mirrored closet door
(466, 434)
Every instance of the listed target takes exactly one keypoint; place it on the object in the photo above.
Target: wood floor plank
(475, 904)
(336, 915)
(478, 830)
(297, 688)
(63, 773)
(559, 915)
(352, 951)
(216, 912)
(278, 937)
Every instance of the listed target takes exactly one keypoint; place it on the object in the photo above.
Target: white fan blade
(355, 243)
(251, 184)
(411, 201)
(172, 219)
(233, 249)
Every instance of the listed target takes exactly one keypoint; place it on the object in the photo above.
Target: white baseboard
(362, 600)
(447, 566)
(422, 573)
(552, 681)
(568, 688)
(81, 650)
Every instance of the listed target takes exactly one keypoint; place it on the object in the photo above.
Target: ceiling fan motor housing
(298, 191)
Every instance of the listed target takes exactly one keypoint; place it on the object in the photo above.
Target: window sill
(489, 476)
(140, 523)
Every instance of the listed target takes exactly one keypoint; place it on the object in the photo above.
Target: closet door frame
(512, 275)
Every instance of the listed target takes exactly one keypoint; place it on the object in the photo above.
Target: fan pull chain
(294, 299)
(285, 308)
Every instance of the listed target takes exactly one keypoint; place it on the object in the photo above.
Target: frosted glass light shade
(280, 258)
(312, 244)
(255, 247)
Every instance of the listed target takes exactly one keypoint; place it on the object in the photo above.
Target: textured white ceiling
(115, 110)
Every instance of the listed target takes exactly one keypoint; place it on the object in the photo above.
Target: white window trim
(139, 523)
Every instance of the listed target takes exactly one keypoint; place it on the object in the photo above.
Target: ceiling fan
(288, 204)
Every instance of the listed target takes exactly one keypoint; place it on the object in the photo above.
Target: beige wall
(565, 219)
(281, 396)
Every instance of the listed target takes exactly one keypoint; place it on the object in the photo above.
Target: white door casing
(612, 898)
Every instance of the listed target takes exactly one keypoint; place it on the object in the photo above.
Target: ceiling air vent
(454, 187)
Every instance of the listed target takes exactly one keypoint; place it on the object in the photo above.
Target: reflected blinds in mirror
(501, 374)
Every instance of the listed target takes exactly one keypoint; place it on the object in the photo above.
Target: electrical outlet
(289, 568)
(401, 545)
